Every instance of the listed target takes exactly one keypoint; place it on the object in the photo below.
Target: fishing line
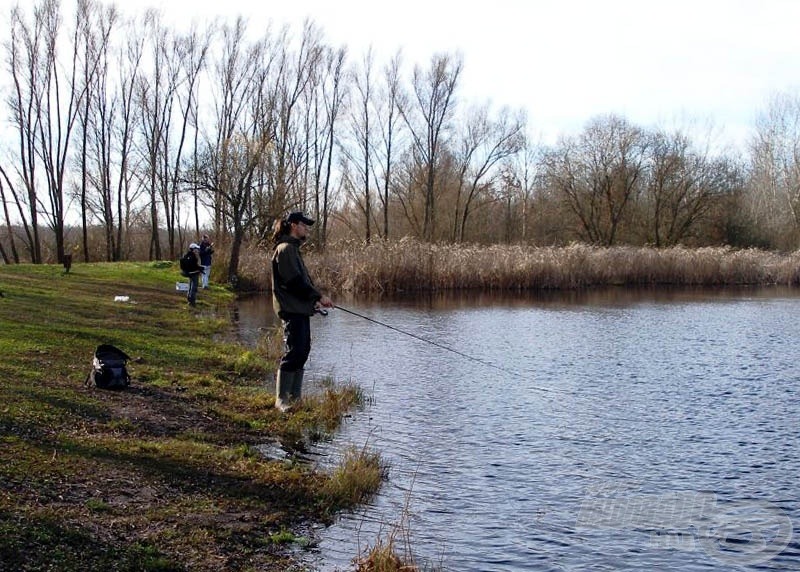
(443, 346)
(482, 362)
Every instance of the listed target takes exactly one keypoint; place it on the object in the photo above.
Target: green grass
(164, 475)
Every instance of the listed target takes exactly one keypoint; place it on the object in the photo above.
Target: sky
(713, 64)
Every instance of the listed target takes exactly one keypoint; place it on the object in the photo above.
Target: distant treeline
(132, 138)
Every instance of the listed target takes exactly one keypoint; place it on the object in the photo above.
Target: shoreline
(164, 475)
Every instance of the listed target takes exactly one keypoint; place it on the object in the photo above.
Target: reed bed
(411, 265)
(383, 557)
(356, 479)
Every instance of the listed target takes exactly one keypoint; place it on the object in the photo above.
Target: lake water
(610, 430)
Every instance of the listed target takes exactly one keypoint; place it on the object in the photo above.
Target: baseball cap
(298, 216)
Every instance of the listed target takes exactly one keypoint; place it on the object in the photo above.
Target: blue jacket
(206, 250)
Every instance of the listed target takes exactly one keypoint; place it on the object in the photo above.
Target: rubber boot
(297, 385)
(284, 381)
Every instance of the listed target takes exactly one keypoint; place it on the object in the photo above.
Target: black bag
(188, 263)
(109, 369)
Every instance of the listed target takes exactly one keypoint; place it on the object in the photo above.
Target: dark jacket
(190, 265)
(292, 289)
(206, 250)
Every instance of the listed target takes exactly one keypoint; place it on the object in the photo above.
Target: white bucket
(182, 286)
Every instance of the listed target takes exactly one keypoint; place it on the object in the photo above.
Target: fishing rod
(437, 344)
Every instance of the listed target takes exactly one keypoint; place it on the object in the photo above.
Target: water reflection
(624, 403)
(605, 296)
(255, 310)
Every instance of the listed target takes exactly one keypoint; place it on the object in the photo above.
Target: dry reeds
(356, 479)
(387, 555)
(383, 557)
(411, 265)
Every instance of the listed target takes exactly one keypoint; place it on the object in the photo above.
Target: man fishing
(295, 299)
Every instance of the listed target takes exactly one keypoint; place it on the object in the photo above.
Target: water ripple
(639, 435)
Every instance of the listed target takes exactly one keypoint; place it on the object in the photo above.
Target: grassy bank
(166, 474)
(409, 265)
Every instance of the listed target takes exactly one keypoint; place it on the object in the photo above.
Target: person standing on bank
(294, 298)
(206, 250)
(190, 267)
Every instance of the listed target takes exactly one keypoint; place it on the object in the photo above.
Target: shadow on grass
(278, 487)
(34, 543)
(73, 406)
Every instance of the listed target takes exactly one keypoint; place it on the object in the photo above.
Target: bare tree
(95, 122)
(166, 98)
(294, 73)
(9, 226)
(360, 133)
(48, 94)
(409, 180)
(597, 175)
(334, 93)
(484, 143)
(61, 111)
(428, 116)
(775, 178)
(374, 135)
(26, 50)
(682, 184)
(128, 124)
(388, 113)
(192, 50)
(521, 174)
(236, 152)
(6, 260)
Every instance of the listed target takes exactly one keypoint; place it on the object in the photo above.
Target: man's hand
(325, 302)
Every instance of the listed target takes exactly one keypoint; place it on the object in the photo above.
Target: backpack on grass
(109, 369)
